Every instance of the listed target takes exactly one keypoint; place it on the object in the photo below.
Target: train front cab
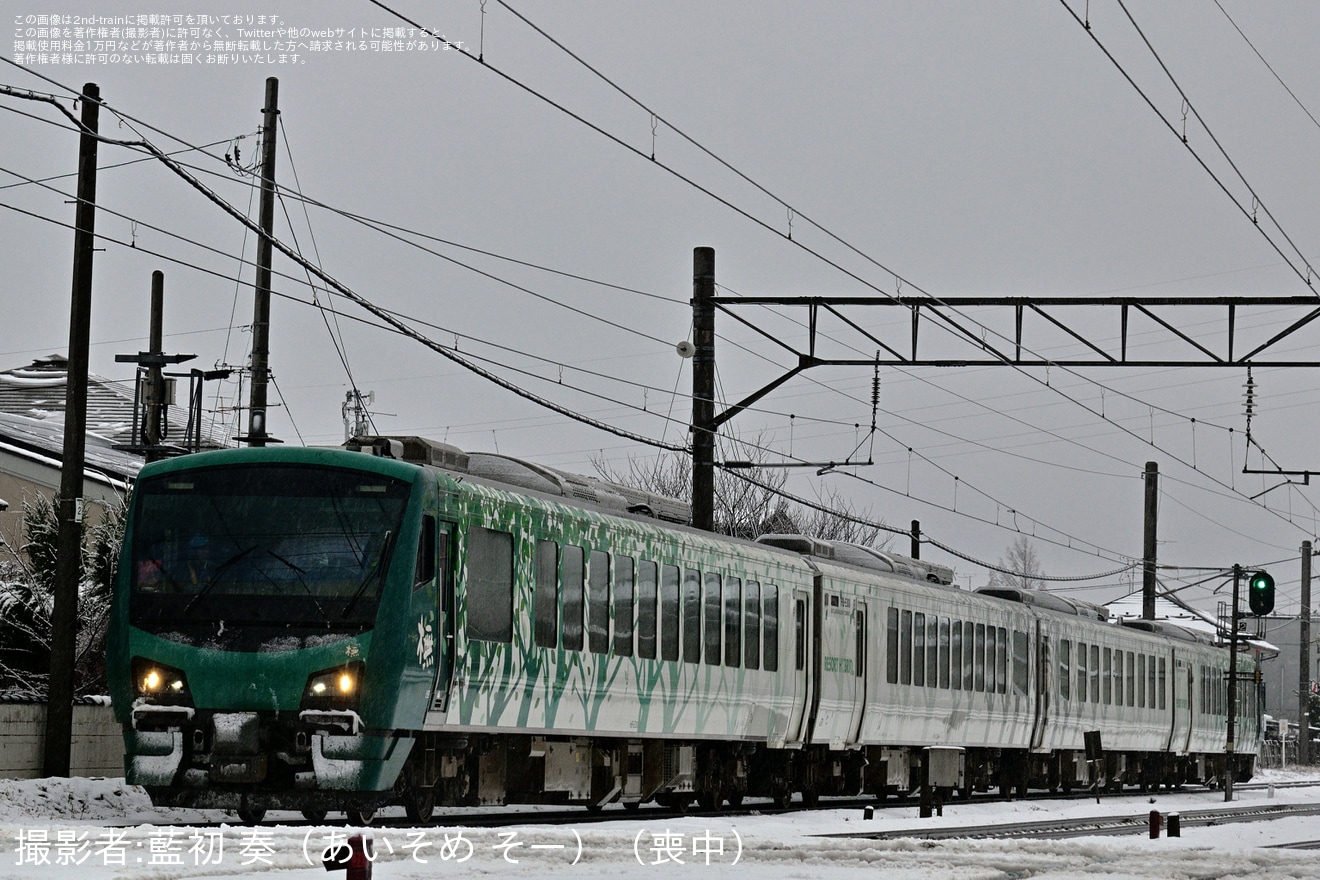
(271, 642)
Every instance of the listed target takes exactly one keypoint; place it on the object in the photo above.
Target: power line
(1249, 213)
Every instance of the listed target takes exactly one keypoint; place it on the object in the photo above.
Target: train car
(406, 623)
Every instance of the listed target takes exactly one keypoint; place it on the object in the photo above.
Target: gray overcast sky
(968, 147)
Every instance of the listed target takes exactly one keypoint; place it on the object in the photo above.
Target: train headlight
(161, 683)
(336, 688)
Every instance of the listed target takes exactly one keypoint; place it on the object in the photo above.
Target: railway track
(1057, 829)
(515, 816)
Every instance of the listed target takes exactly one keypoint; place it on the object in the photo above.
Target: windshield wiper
(215, 578)
(300, 572)
(376, 570)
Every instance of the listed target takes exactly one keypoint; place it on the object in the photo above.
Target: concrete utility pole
(1304, 663)
(703, 389)
(68, 562)
(1149, 544)
(1230, 747)
(256, 435)
(155, 390)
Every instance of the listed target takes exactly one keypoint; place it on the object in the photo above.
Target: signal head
(1260, 593)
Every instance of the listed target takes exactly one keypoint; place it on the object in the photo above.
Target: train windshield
(262, 556)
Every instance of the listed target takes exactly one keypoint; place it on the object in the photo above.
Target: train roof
(1048, 601)
(862, 556)
(521, 474)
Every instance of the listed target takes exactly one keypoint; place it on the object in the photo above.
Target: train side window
(714, 618)
(490, 585)
(425, 570)
(572, 570)
(1131, 680)
(956, 658)
(1065, 669)
(860, 622)
(905, 649)
(669, 612)
(969, 652)
(691, 615)
(1081, 672)
(732, 621)
(1020, 659)
(990, 665)
(919, 649)
(1141, 681)
(969, 656)
(1001, 655)
(978, 654)
(546, 597)
(598, 602)
(623, 606)
(646, 609)
(752, 626)
(943, 660)
(1118, 678)
(1107, 677)
(932, 650)
(770, 628)
(1150, 682)
(891, 645)
(800, 633)
(1095, 673)
(1162, 683)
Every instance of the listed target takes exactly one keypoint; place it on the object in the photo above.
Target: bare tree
(1021, 567)
(748, 502)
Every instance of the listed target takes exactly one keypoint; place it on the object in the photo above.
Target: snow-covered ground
(100, 828)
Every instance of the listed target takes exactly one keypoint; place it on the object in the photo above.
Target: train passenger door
(444, 618)
(859, 673)
(803, 690)
(1184, 712)
(1043, 678)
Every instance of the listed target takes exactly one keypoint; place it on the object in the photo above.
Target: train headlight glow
(159, 682)
(334, 688)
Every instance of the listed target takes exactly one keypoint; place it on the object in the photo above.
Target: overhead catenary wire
(797, 242)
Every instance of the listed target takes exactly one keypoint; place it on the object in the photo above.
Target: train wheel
(251, 815)
(632, 806)
(810, 799)
(783, 796)
(362, 817)
(419, 804)
(316, 817)
(735, 800)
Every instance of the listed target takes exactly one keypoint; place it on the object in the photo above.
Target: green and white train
(405, 623)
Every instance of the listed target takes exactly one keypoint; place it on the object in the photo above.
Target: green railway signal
(1260, 593)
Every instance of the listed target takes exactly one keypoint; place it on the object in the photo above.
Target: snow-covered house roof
(37, 391)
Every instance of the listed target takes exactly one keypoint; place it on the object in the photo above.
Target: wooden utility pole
(916, 539)
(257, 434)
(1149, 544)
(703, 389)
(68, 561)
(1304, 663)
